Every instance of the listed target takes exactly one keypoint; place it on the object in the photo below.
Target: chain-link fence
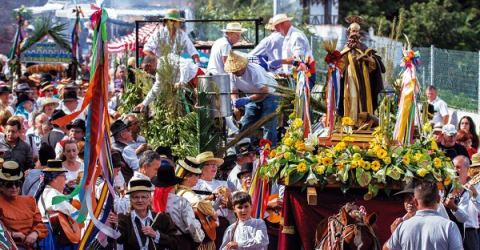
(454, 73)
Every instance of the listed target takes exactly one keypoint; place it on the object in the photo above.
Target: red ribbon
(160, 198)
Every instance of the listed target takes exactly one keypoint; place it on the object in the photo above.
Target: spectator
(464, 138)
(138, 143)
(32, 179)
(58, 133)
(449, 143)
(440, 107)
(122, 135)
(467, 124)
(17, 149)
(48, 106)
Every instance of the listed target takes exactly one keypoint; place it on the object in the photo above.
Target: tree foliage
(448, 24)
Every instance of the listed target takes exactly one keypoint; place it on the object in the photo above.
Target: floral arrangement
(299, 159)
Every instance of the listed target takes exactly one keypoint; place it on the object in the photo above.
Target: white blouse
(182, 215)
(210, 186)
(249, 234)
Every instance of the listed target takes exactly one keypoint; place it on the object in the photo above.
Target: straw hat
(280, 18)
(45, 86)
(207, 156)
(139, 185)
(54, 166)
(475, 166)
(234, 27)
(11, 171)
(189, 166)
(235, 62)
(47, 101)
(173, 14)
(35, 77)
(269, 25)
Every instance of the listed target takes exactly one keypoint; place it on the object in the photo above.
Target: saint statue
(362, 70)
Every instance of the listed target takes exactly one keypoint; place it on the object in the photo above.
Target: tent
(128, 42)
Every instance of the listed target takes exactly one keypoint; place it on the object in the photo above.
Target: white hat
(234, 27)
(280, 18)
(449, 130)
(438, 127)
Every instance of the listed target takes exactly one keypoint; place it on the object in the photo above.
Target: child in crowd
(246, 232)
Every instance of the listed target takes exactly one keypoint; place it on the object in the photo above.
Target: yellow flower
(288, 142)
(340, 166)
(273, 153)
(361, 163)
(320, 169)
(417, 156)
(354, 164)
(406, 159)
(422, 172)
(340, 146)
(318, 158)
(437, 162)
(382, 153)
(286, 155)
(447, 181)
(297, 123)
(427, 127)
(292, 116)
(347, 121)
(327, 161)
(348, 139)
(375, 165)
(302, 167)
(434, 145)
(367, 165)
(376, 148)
(299, 145)
(387, 160)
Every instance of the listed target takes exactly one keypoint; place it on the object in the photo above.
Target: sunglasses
(11, 184)
(48, 90)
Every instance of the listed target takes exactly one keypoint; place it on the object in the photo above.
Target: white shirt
(72, 175)
(232, 178)
(249, 234)
(441, 110)
(295, 44)
(187, 71)
(47, 196)
(270, 46)
(182, 216)
(210, 186)
(254, 78)
(220, 48)
(162, 33)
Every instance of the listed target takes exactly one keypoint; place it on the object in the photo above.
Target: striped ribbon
(302, 105)
(259, 193)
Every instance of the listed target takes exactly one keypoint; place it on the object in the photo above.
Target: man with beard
(362, 70)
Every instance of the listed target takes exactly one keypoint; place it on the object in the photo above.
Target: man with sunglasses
(449, 143)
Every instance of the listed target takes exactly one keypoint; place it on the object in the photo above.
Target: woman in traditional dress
(142, 228)
(71, 163)
(53, 184)
(19, 214)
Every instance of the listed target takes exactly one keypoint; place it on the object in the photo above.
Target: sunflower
(422, 172)
(375, 165)
(382, 153)
(327, 161)
(300, 146)
(406, 159)
(288, 142)
(437, 162)
(347, 121)
(302, 167)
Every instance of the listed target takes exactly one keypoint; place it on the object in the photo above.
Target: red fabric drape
(305, 218)
(160, 198)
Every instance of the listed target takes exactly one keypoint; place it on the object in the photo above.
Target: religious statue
(362, 70)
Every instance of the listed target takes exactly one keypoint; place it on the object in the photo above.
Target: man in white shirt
(252, 79)
(440, 107)
(270, 47)
(221, 47)
(295, 47)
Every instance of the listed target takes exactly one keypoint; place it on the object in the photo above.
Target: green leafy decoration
(363, 178)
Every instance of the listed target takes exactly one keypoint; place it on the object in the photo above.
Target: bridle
(338, 232)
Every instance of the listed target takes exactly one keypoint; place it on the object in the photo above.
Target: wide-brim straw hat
(174, 14)
(137, 185)
(208, 156)
(47, 101)
(234, 27)
(235, 62)
(46, 86)
(280, 18)
(11, 171)
(269, 25)
(189, 166)
(475, 166)
(35, 77)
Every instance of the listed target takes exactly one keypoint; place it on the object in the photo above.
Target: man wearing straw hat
(252, 79)
(270, 48)
(295, 47)
(171, 33)
(221, 47)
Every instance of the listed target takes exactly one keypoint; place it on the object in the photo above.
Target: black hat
(166, 177)
(166, 151)
(23, 87)
(72, 85)
(244, 148)
(3, 77)
(22, 98)
(117, 159)
(117, 127)
(46, 77)
(5, 89)
(54, 166)
(409, 188)
(78, 123)
(70, 96)
(136, 185)
(247, 167)
(229, 162)
(57, 114)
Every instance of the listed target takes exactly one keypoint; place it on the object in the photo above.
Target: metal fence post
(432, 63)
